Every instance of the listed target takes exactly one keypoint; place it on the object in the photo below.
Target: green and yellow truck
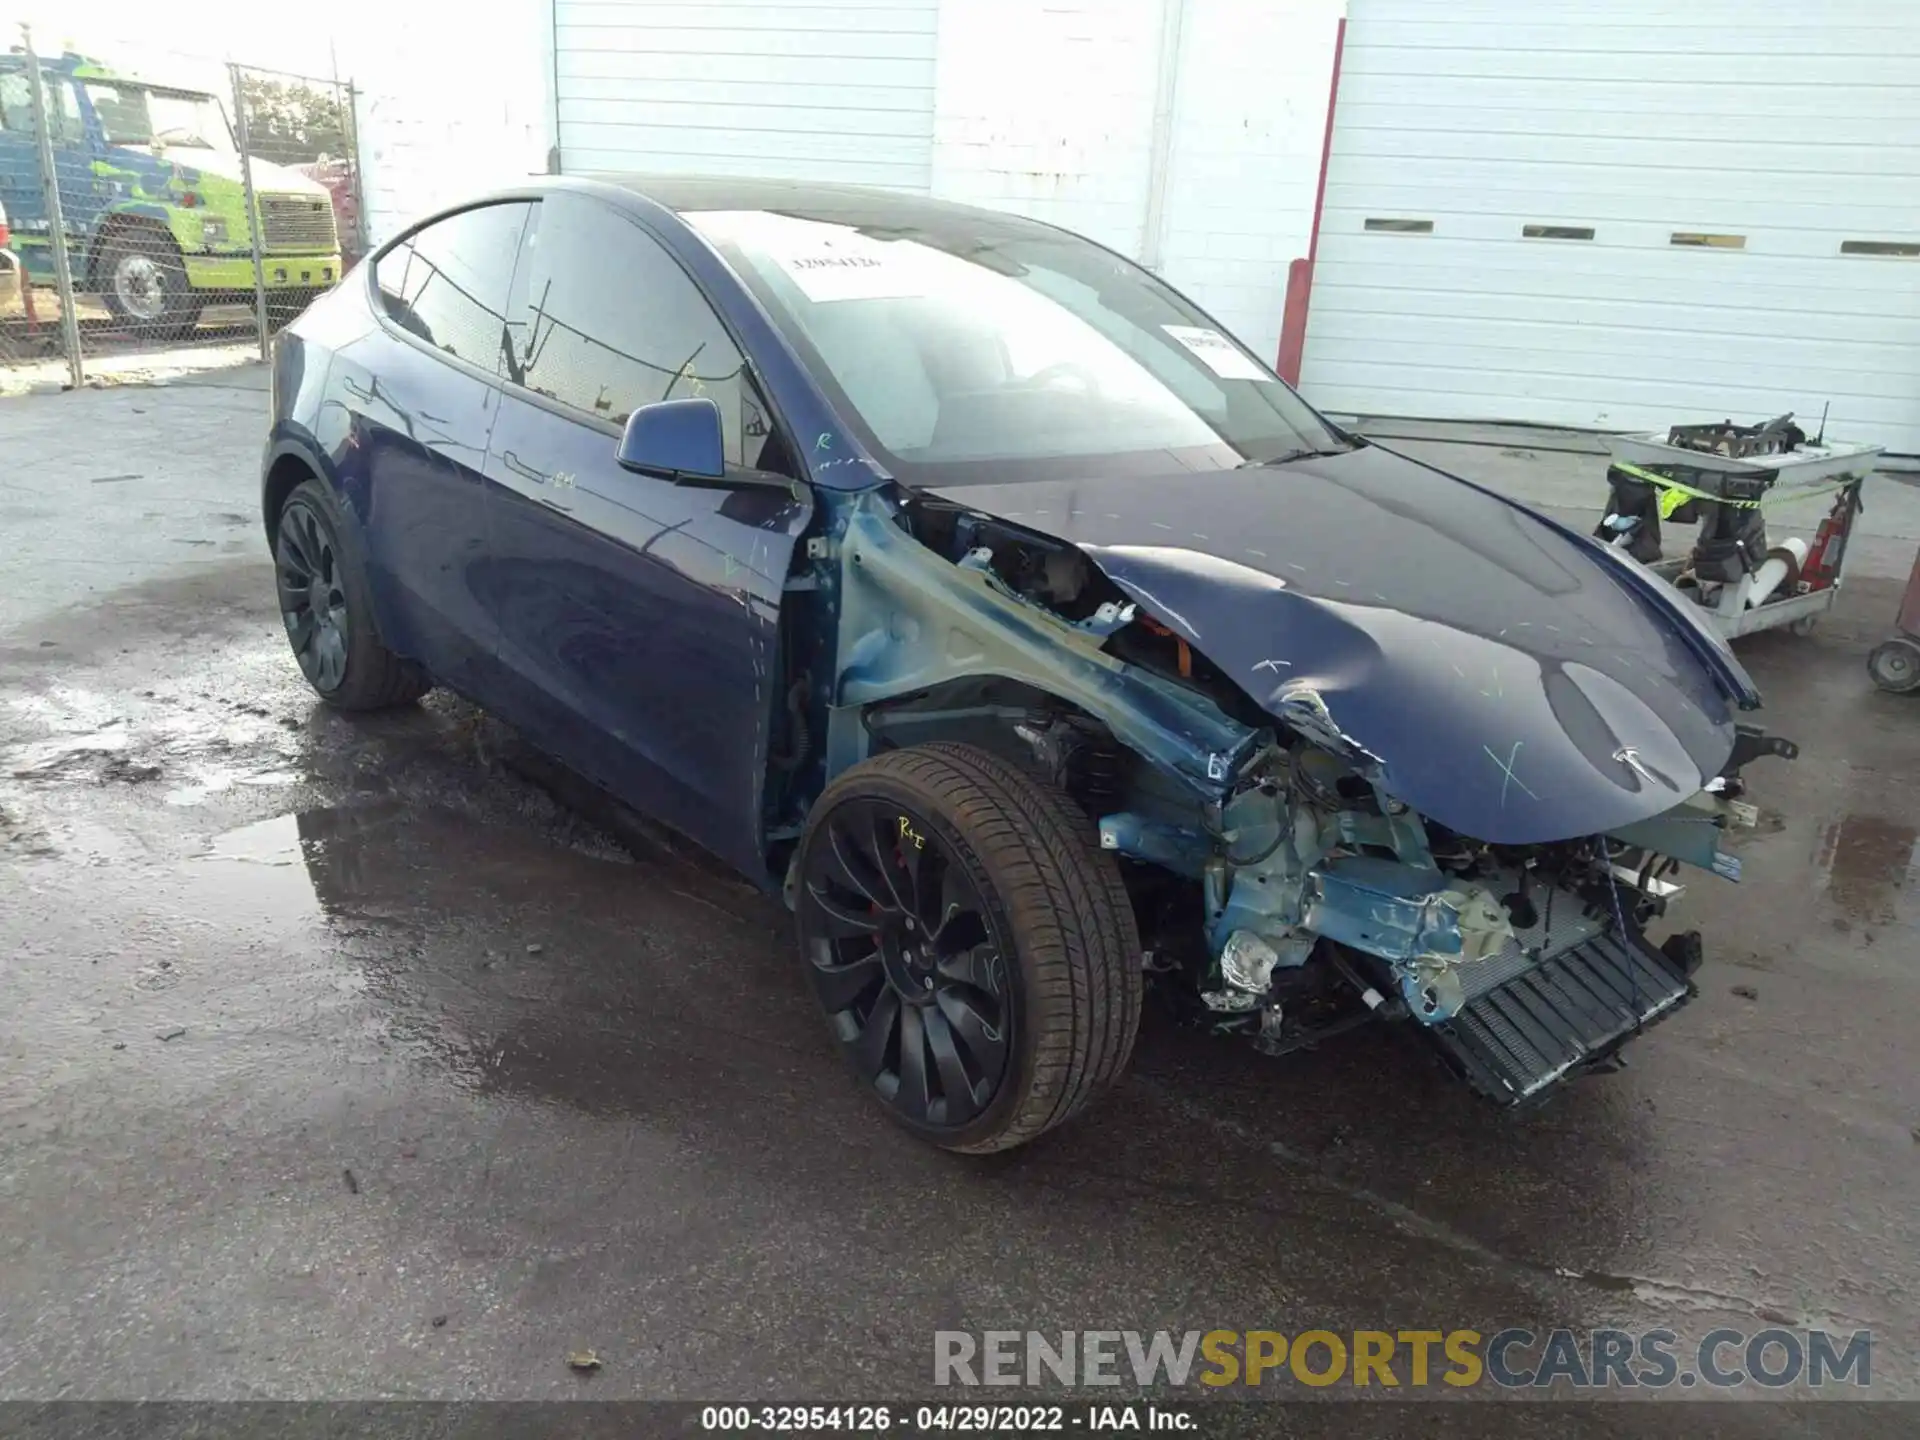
(152, 199)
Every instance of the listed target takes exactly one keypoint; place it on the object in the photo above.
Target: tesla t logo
(1630, 757)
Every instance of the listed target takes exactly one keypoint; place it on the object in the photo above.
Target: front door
(423, 403)
(23, 192)
(637, 618)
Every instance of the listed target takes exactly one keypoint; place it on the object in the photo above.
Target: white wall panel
(841, 92)
(1794, 128)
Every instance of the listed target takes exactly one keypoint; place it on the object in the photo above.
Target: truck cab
(153, 200)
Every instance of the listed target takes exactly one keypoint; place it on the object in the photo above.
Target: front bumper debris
(1520, 1033)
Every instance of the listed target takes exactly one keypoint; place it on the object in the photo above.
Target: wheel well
(112, 228)
(284, 476)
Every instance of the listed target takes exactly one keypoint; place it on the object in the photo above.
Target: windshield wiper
(1287, 458)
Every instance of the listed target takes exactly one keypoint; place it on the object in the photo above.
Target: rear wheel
(328, 610)
(144, 282)
(973, 947)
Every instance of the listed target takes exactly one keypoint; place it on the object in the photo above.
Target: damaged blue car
(958, 579)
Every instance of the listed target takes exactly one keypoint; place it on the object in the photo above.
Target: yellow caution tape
(1675, 493)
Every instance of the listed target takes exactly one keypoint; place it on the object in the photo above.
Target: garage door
(1624, 215)
(807, 92)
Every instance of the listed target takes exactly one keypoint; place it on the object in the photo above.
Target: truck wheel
(328, 610)
(144, 283)
(973, 947)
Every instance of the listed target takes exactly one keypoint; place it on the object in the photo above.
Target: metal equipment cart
(1724, 476)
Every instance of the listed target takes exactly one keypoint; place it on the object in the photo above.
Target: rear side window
(448, 283)
(604, 320)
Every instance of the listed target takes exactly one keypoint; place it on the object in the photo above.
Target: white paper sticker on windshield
(857, 270)
(1216, 352)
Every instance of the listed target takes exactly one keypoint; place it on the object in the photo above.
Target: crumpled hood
(1516, 683)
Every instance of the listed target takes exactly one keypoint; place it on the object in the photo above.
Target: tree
(293, 123)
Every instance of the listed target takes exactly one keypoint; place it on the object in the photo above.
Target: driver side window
(604, 320)
(16, 107)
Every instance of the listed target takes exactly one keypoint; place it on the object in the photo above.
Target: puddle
(208, 781)
(198, 746)
(1867, 865)
(62, 755)
(331, 858)
(265, 842)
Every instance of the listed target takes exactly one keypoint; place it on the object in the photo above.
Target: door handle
(558, 479)
(525, 471)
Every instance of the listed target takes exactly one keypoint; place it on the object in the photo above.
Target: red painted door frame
(1293, 320)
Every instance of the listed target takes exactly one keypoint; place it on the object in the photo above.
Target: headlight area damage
(1330, 810)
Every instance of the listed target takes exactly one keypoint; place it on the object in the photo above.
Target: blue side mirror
(675, 439)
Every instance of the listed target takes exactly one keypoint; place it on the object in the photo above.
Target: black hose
(802, 746)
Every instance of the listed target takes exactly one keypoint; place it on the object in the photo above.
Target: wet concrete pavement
(339, 1058)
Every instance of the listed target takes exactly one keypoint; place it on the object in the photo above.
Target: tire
(144, 282)
(327, 608)
(1044, 970)
(1895, 665)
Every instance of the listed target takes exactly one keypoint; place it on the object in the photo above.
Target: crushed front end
(1287, 886)
(1326, 903)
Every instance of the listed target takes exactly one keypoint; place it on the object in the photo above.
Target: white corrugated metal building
(1556, 211)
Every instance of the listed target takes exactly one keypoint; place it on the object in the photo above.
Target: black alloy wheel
(906, 963)
(313, 600)
(327, 609)
(974, 948)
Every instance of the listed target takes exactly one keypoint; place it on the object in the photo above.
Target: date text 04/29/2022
(948, 1419)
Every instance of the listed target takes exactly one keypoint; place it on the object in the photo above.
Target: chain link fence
(165, 204)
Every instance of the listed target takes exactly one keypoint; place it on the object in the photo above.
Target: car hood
(1514, 680)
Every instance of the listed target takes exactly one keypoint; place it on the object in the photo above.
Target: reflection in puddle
(267, 842)
(501, 961)
(327, 845)
(1867, 864)
(210, 781)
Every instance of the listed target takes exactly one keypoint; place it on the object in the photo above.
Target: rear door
(424, 392)
(637, 618)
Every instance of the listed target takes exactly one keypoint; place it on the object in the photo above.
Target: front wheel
(973, 947)
(145, 285)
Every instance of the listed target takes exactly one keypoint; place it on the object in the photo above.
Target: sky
(161, 38)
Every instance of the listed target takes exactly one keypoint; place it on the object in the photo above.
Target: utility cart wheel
(1895, 665)
(1804, 625)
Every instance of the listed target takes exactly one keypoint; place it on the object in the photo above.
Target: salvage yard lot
(344, 1059)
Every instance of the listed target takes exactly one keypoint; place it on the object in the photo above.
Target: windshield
(134, 115)
(1000, 350)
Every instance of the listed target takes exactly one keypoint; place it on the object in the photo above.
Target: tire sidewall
(1003, 927)
(363, 634)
